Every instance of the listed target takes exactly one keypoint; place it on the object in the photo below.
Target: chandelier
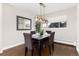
(41, 17)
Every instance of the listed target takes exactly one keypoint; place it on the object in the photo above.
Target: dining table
(40, 39)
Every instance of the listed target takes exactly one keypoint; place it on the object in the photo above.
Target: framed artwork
(58, 25)
(58, 22)
(23, 23)
(54, 25)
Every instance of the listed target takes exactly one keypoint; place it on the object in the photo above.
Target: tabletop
(38, 37)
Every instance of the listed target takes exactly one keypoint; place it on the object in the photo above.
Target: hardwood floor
(59, 50)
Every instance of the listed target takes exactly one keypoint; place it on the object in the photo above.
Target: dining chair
(49, 32)
(34, 41)
(29, 42)
(52, 39)
(48, 42)
(33, 32)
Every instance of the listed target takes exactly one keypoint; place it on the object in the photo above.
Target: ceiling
(35, 7)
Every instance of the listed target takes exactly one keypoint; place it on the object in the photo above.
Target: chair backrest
(49, 32)
(33, 32)
(28, 40)
(52, 36)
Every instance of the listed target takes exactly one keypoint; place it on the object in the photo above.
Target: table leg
(39, 48)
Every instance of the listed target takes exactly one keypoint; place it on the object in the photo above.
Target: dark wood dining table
(41, 40)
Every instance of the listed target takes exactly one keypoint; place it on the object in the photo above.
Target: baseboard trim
(64, 44)
(77, 50)
(1, 51)
(5, 48)
(67, 43)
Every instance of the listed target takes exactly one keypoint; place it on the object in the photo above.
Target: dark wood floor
(59, 50)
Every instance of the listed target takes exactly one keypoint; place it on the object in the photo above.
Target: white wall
(0, 28)
(77, 28)
(65, 35)
(11, 36)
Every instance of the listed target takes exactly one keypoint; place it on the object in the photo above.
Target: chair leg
(32, 51)
(49, 50)
(39, 49)
(26, 51)
(53, 47)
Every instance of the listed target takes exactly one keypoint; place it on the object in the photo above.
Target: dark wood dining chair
(49, 32)
(34, 41)
(52, 39)
(48, 42)
(29, 42)
(33, 32)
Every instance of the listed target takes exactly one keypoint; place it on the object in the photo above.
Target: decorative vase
(41, 32)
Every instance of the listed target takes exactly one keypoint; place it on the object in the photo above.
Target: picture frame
(23, 23)
(58, 24)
